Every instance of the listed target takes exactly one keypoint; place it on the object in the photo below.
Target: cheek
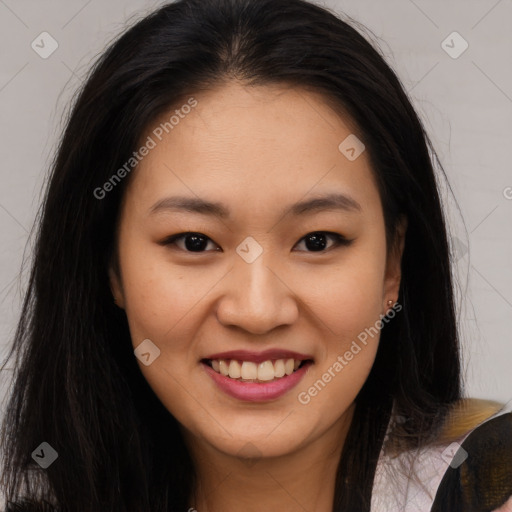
(160, 304)
(160, 296)
(348, 302)
(350, 308)
(347, 296)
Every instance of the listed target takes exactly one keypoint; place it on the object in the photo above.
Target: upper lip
(259, 357)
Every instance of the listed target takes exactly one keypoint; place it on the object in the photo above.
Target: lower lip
(255, 391)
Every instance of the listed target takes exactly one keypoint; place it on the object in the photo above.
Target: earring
(390, 303)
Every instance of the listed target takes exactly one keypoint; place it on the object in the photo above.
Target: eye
(194, 242)
(317, 240)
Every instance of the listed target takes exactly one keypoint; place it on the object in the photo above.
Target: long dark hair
(77, 385)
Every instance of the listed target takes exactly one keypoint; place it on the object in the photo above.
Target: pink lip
(257, 391)
(259, 357)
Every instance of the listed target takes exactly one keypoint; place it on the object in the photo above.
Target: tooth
(266, 370)
(249, 370)
(279, 368)
(234, 369)
(223, 367)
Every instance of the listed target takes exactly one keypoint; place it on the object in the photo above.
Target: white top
(394, 491)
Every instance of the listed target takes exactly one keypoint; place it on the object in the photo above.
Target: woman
(241, 295)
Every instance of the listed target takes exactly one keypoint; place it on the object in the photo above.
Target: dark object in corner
(483, 482)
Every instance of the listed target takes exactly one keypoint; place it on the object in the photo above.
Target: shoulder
(481, 477)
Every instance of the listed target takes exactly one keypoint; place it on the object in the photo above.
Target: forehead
(255, 145)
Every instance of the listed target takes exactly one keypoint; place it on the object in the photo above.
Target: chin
(257, 449)
(272, 441)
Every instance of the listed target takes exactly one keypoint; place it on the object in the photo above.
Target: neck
(304, 479)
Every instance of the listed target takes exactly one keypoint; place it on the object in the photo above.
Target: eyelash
(339, 240)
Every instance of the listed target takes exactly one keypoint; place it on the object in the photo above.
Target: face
(264, 276)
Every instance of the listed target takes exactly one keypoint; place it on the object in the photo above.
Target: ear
(115, 284)
(393, 264)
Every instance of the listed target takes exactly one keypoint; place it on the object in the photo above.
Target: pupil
(317, 241)
(197, 243)
(314, 241)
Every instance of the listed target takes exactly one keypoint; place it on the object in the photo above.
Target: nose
(256, 298)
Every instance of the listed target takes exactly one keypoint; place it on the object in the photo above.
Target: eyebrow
(196, 205)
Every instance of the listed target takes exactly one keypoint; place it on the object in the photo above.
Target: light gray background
(465, 103)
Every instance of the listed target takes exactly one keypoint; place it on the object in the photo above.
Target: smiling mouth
(248, 371)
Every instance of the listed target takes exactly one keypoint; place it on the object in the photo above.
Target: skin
(506, 507)
(256, 150)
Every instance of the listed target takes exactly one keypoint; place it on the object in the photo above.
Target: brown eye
(318, 240)
(193, 242)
